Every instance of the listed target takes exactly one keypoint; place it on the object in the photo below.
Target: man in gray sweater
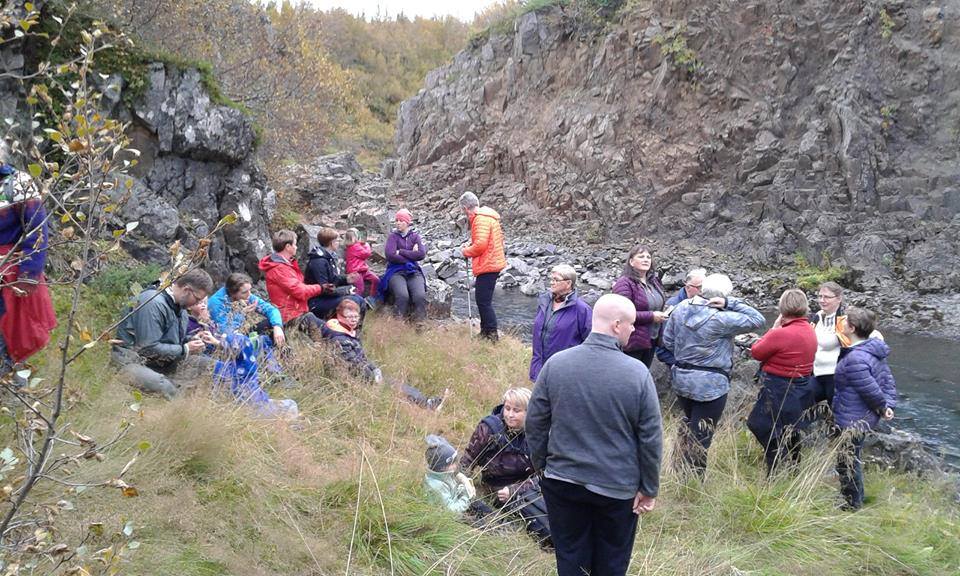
(152, 349)
(594, 430)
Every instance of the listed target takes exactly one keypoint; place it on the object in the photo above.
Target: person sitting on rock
(356, 254)
(865, 392)
(153, 351)
(563, 320)
(286, 287)
(342, 330)
(699, 336)
(403, 280)
(232, 304)
(786, 353)
(324, 268)
(692, 284)
(498, 449)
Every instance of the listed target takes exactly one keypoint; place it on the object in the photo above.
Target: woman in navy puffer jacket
(865, 392)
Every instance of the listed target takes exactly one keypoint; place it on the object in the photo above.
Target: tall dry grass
(339, 491)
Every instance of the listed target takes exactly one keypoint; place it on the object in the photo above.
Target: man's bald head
(614, 315)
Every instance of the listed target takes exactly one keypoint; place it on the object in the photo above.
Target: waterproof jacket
(567, 327)
(633, 291)
(323, 267)
(701, 336)
(156, 331)
(446, 488)
(285, 286)
(663, 354)
(789, 350)
(486, 242)
(351, 350)
(356, 256)
(403, 248)
(864, 384)
(501, 454)
(230, 320)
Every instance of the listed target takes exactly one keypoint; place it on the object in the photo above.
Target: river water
(927, 371)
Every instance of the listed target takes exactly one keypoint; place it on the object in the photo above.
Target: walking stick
(469, 309)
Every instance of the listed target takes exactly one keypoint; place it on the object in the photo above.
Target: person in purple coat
(563, 319)
(865, 392)
(641, 285)
(404, 279)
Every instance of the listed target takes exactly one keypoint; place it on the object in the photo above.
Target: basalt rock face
(760, 129)
(196, 163)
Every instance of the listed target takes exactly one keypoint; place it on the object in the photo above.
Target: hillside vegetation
(219, 492)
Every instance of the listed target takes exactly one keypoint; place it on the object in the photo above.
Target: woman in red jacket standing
(786, 353)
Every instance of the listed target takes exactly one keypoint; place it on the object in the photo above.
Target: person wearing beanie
(488, 258)
(403, 281)
(442, 481)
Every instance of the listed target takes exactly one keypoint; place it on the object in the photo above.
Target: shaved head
(614, 315)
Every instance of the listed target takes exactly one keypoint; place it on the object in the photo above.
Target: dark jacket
(568, 326)
(157, 330)
(594, 418)
(864, 384)
(502, 456)
(633, 291)
(399, 248)
(323, 267)
(350, 348)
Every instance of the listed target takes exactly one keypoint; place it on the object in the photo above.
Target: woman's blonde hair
(351, 236)
(518, 396)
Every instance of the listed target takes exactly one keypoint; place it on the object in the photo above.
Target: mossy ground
(222, 492)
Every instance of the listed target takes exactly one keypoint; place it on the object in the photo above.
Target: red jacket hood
(271, 261)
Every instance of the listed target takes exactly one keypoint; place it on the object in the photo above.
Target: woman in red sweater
(786, 354)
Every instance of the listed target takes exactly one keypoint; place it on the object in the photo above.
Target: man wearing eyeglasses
(153, 350)
(692, 285)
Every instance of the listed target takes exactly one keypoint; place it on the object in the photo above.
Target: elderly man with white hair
(594, 429)
(692, 284)
(699, 334)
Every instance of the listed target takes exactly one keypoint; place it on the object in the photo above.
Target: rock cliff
(760, 129)
(196, 160)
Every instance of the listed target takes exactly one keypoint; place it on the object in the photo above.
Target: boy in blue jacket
(865, 393)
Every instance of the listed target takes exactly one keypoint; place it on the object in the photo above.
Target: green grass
(222, 492)
(810, 277)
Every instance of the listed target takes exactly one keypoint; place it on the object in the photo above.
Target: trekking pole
(469, 309)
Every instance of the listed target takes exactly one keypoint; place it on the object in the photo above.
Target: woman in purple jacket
(563, 319)
(865, 392)
(404, 279)
(641, 286)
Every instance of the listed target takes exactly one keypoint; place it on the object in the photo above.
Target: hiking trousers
(485, 285)
(700, 420)
(169, 382)
(592, 534)
(850, 468)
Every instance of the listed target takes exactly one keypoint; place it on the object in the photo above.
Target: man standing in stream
(594, 430)
(486, 250)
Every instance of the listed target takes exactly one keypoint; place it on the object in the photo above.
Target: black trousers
(700, 420)
(823, 388)
(645, 355)
(850, 468)
(592, 534)
(485, 283)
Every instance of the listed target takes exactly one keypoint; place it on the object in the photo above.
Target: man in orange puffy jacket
(486, 250)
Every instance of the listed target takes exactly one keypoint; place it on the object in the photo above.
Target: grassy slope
(223, 493)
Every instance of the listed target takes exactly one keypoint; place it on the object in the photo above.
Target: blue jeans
(488, 316)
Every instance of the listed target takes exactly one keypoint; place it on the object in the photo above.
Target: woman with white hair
(699, 334)
(563, 319)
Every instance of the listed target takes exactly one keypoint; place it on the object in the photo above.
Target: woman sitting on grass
(865, 392)
(342, 329)
(499, 449)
